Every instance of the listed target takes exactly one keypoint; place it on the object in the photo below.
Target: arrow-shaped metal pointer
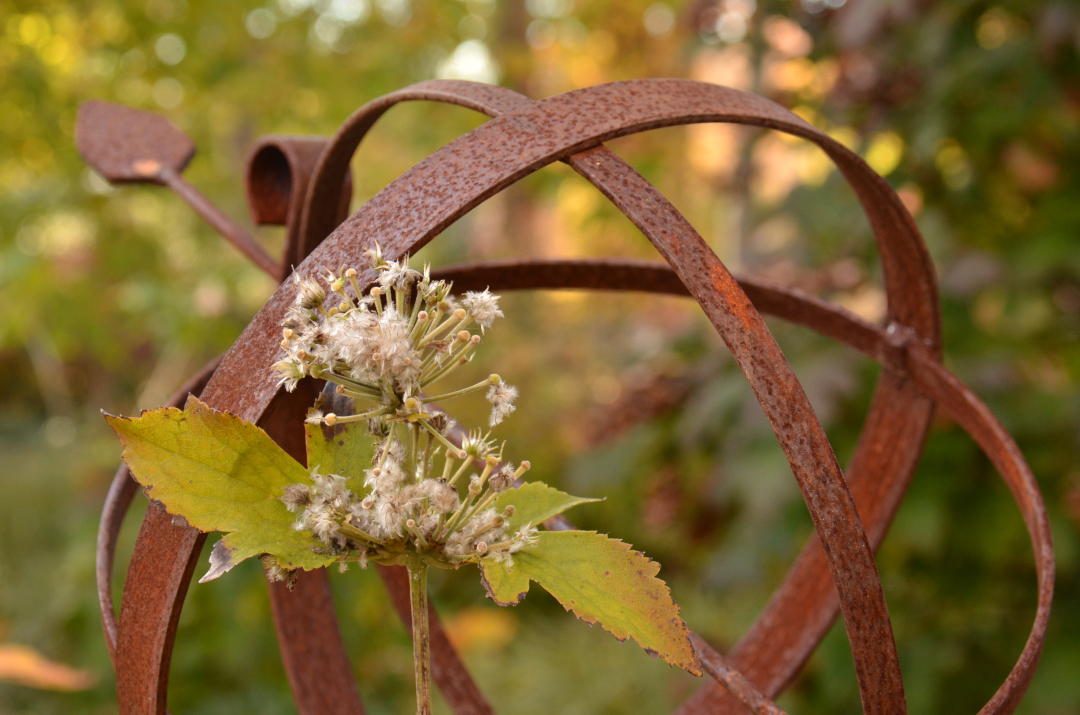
(127, 145)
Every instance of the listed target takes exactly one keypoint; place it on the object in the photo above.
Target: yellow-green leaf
(534, 502)
(602, 581)
(506, 587)
(221, 474)
(344, 449)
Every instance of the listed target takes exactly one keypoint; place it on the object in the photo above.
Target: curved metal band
(117, 501)
(275, 182)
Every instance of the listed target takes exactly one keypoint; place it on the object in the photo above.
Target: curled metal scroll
(835, 570)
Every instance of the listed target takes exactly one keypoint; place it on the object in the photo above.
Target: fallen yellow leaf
(25, 666)
(480, 629)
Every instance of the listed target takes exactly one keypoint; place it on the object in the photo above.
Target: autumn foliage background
(110, 298)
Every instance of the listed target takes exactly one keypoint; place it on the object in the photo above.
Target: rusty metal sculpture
(304, 183)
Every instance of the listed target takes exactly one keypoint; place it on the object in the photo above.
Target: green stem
(410, 454)
(342, 419)
(356, 288)
(446, 368)
(417, 569)
(432, 334)
(425, 465)
(443, 440)
(416, 308)
(351, 384)
(461, 470)
(360, 535)
(455, 518)
(483, 384)
(480, 506)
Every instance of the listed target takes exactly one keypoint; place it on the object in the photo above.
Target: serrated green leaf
(221, 474)
(534, 502)
(601, 580)
(344, 449)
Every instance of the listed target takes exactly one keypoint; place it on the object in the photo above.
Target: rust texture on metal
(276, 181)
(304, 184)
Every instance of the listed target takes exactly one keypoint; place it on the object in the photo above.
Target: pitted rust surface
(838, 561)
(129, 145)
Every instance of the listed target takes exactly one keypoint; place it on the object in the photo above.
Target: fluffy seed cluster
(431, 489)
(392, 343)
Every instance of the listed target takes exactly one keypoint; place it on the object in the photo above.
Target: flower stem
(450, 446)
(421, 641)
(483, 384)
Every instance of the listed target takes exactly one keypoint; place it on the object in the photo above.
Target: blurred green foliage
(971, 108)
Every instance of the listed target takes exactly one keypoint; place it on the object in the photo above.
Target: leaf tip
(115, 421)
(194, 404)
(221, 562)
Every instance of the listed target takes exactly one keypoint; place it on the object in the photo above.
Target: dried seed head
(444, 498)
(440, 421)
(501, 480)
(310, 294)
(501, 396)
(483, 307)
(296, 497)
(274, 571)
